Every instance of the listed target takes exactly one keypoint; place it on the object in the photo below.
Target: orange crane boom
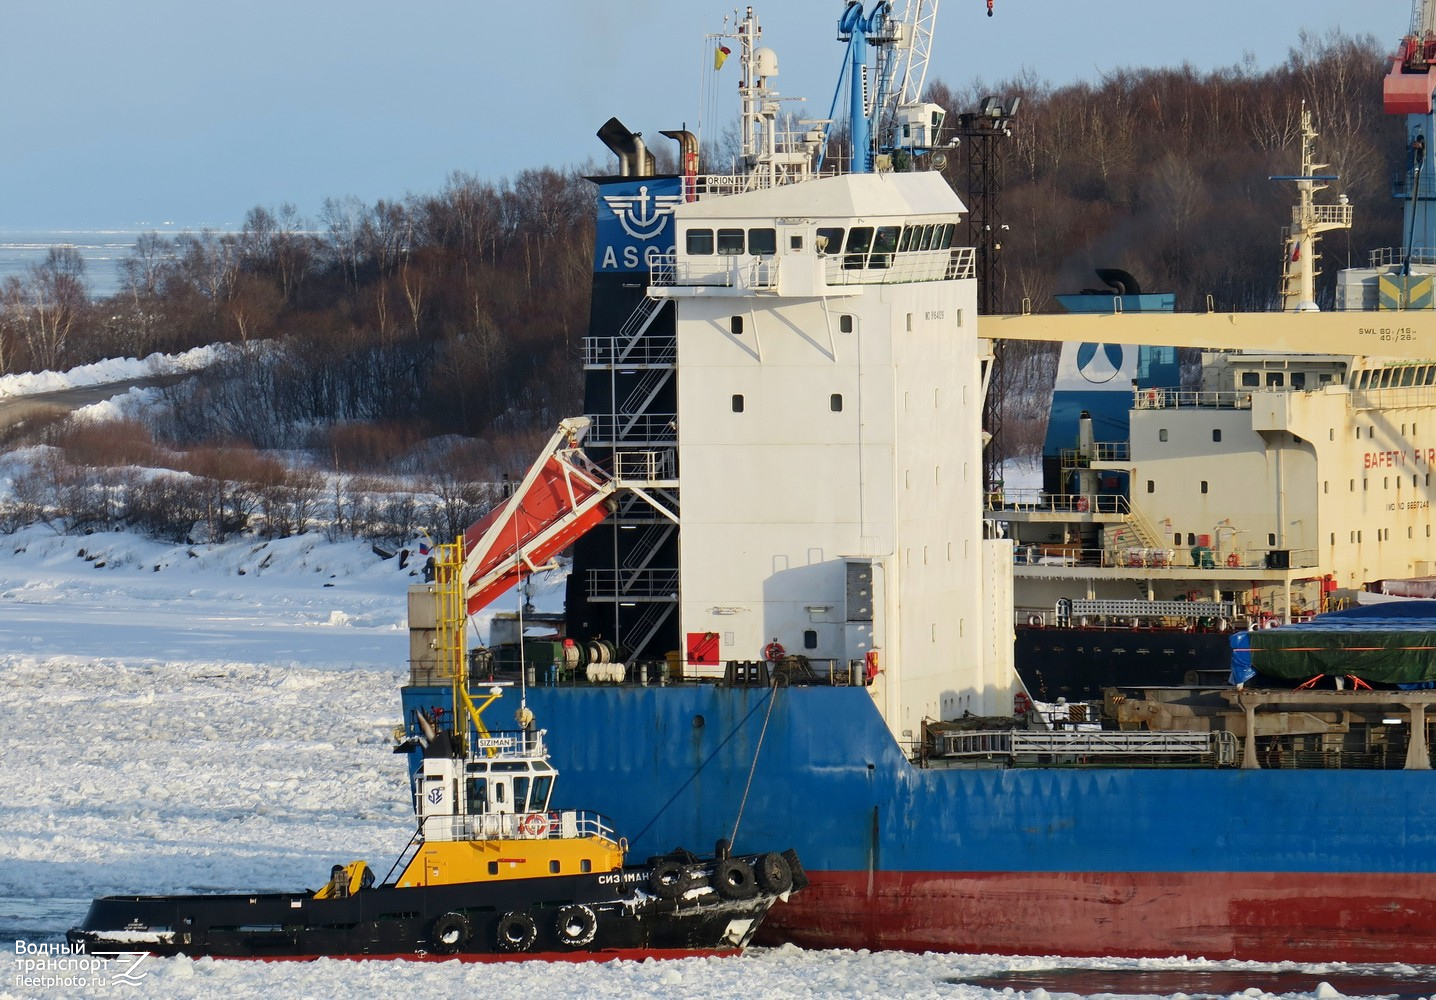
(563, 495)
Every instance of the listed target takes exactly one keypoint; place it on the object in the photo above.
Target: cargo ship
(784, 605)
(1170, 517)
(491, 874)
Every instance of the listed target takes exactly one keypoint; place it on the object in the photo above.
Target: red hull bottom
(1261, 916)
(611, 955)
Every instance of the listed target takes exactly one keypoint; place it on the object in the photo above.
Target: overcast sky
(137, 113)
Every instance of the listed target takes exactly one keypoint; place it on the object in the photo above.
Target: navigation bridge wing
(563, 495)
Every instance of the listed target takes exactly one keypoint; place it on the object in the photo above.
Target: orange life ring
(1021, 704)
(774, 651)
(1081, 505)
(534, 825)
(1234, 560)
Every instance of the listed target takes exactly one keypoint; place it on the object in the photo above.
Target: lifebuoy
(1034, 620)
(774, 873)
(1021, 704)
(774, 651)
(1082, 505)
(668, 880)
(735, 879)
(516, 932)
(1234, 560)
(534, 825)
(449, 933)
(575, 925)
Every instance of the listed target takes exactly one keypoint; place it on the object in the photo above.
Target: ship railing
(632, 430)
(1173, 399)
(632, 584)
(1038, 501)
(1101, 451)
(763, 273)
(1323, 215)
(519, 744)
(564, 824)
(606, 351)
(1391, 256)
(1100, 747)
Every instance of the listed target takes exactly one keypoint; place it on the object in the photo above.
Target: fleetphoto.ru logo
(69, 967)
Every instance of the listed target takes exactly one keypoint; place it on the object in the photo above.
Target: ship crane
(1408, 90)
(888, 119)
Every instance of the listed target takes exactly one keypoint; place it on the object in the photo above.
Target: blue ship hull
(1255, 864)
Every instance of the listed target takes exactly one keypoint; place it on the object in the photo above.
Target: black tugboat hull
(580, 917)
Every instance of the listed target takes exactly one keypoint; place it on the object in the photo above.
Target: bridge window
(830, 240)
(1274, 378)
(924, 241)
(700, 242)
(1250, 379)
(860, 241)
(909, 237)
(761, 241)
(730, 242)
(1298, 380)
(884, 246)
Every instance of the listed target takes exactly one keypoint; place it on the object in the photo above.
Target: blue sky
(134, 113)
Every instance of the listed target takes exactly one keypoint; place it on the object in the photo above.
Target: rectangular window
(553, 867)
(730, 242)
(1274, 378)
(735, 325)
(830, 240)
(845, 323)
(763, 241)
(700, 241)
(1204, 486)
(835, 402)
(860, 241)
(810, 638)
(795, 243)
(1250, 380)
(909, 237)
(737, 402)
(1161, 434)
(884, 246)
(1298, 380)
(586, 865)
(1217, 434)
(1151, 486)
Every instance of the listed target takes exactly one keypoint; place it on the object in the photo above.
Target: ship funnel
(688, 160)
(634, 159)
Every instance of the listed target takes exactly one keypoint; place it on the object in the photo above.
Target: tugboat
(491, 874)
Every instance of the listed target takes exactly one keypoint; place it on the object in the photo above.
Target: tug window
(539, 800)
(478, 795)
(730, 242)
(521, 795)
(700, 241)
(762, 241)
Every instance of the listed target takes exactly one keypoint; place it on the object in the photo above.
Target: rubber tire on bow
(668, 880)
(735, 879)
(517, 932)
(774, 873)
(449, 932)
(575, 925)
